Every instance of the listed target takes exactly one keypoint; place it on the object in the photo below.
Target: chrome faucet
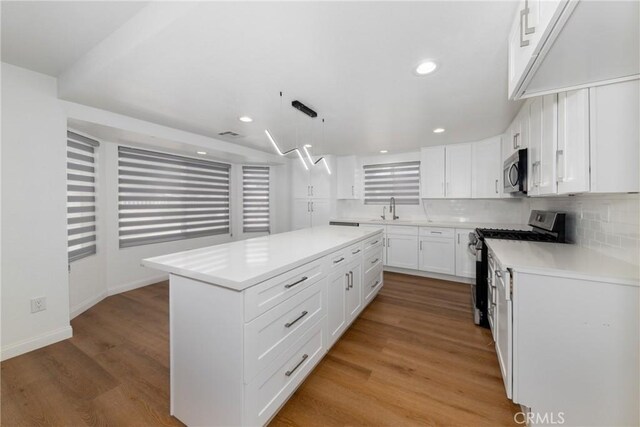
(392, 208)
(384, 213)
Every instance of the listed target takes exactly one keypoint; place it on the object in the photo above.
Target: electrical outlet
(38, 304)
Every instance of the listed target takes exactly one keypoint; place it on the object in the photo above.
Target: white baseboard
(86, 304)
(430, 275)
(136, 284)
(30, 344)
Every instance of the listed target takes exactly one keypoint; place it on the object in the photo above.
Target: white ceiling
(198, 66)
(49, 36)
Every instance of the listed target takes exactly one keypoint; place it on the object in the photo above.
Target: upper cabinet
(346, 169)
(458, 171)
(553, 45)
(583, 140)
(614, 134)
(432, 172)
(314, 182)
(486, 179)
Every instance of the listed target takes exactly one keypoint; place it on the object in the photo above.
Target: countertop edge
(570, 274)
(241, 286)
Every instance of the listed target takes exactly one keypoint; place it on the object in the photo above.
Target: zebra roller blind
(164, 197)
(81, 196)
(255, 199)
(399, 180)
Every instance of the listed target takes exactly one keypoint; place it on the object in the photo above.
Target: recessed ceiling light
(426, 67)
(384, 151)
(307, 145)
(245, 119)
(202, 153)
(438, 130)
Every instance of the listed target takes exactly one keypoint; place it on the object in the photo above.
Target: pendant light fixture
(321, 159)
(275, 144)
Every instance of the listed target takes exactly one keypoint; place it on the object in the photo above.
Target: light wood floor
(413, 357)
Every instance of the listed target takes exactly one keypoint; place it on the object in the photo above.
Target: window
(81, 196)
(164, 197)
(399, 180)
(255, 199)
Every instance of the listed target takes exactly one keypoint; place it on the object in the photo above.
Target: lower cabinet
(402, 247)
(437, 252)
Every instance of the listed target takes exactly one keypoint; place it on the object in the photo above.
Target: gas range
(546, 226)
(529, 235)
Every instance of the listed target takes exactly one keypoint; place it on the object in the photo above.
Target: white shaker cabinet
(432, 178)
(614, 136)
(384, 238)
(314, 182)
(437, 250)
(301, 181)
(465, 260)
(486, 170)
(310, 213)
(573, 142)
(543, 143)
(402, 247)
(346, 170)
(458, 171)
(320, 212)
(345, 293)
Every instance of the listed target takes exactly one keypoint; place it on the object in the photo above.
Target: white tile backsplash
(606, 223)
(609, 224)
(502, 211)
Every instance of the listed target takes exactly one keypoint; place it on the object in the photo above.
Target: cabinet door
(437, 255)
(321, 180)
(320, 212)
(384, 238)
(504, 334)
(546, 181)
(337, 305)
(402, 251)
(301, 217)
(573, 142)
(432, 172)
(301, 181)
(458, 171)
(354, 294)
(535, 143)
(615, 132)
(465, 261)
(346, 176)
(486, 169)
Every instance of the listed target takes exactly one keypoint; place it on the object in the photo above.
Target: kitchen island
(249, 320)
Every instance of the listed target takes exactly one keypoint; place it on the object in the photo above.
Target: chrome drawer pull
(304, 357)
(375, 284)
(291, 285)
(375, 260)
(338, 260)
(371, 244)
(356, 252)
(290, 324)
(498, 273)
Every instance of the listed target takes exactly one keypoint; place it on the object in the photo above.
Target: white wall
(34, 237)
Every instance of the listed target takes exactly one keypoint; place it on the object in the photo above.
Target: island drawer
(269, 335)
(266, 295)
(372, 260)
(373, 283)
(273, 386)
(354, 251)
(372, 242)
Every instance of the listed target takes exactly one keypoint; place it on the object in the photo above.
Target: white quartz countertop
(563, 260)
(242, 264)
(428, 223)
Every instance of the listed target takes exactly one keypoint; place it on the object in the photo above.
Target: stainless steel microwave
(515, 172)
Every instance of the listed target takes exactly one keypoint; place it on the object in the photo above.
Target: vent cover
(230, 133)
